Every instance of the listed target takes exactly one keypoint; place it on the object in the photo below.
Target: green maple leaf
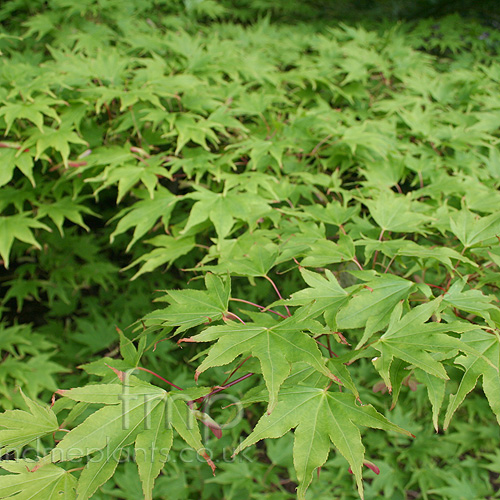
(319, 417)
(57, 139)
(167, 250)
(325, 294)
(223, 209)
(190, 129)
(190, 308)
(19, 428)
(49, 483)
(128, 175)
(33, 111)
(371, 307)
(488, 345)
(134, 411)
(277, 347)
(17, 227)
(400, 247)
(331, 213)
(411, 339)
(473, 230)
(11, 158)
(471, 301)
(396, 213)
(65, 208)
(436, 388)
(247, 256)
(144, 214)
(324, 252)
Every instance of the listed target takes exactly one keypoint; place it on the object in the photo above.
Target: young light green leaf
(471, 301)
(471, 229)
(168, 249)
(395, 213)
(130, 408)
(189, 308)
(371, 307)
(436, 390)
(488, 344)
(412, 339)
(325, 294)
(49, 483)
(276, 347)
(18, 227)
(10, 159)
(324, 252)
(319, 417)
(58, 139)
(63, 209)
(19, 427)
(144, 214)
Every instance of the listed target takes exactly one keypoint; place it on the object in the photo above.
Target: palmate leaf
(167, 250)
(247, 256)
(371, 307)
(33, 111)
(57, 139)
(471, 229)
(276, 347)
(65, 208)
(134, 411)
(406, 248)
(324, 252)
(18, 227)
(325, 294)
(488, 345)
(223, 209)
(396, 213)
(143, 215)
(10, 158)
(319, 417)
(411, 339)
(19, 428)
(190, 308)
(49, 483)
(471, 301)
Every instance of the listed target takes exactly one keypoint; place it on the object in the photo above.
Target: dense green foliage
(301, 217)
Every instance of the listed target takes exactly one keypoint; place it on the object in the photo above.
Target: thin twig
(257, 305)
(277, 291)
(158, 376)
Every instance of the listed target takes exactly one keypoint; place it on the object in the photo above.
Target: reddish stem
(236, 369)
(262, 308)
(158, 376)
(74, 470)
(277, 291)
(436, 286)
(356, 261)
(389, 265)
(332, 354)
(234, 382)
(236, 316)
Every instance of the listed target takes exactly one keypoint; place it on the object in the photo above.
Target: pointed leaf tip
(187, 339)
(209, 462)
